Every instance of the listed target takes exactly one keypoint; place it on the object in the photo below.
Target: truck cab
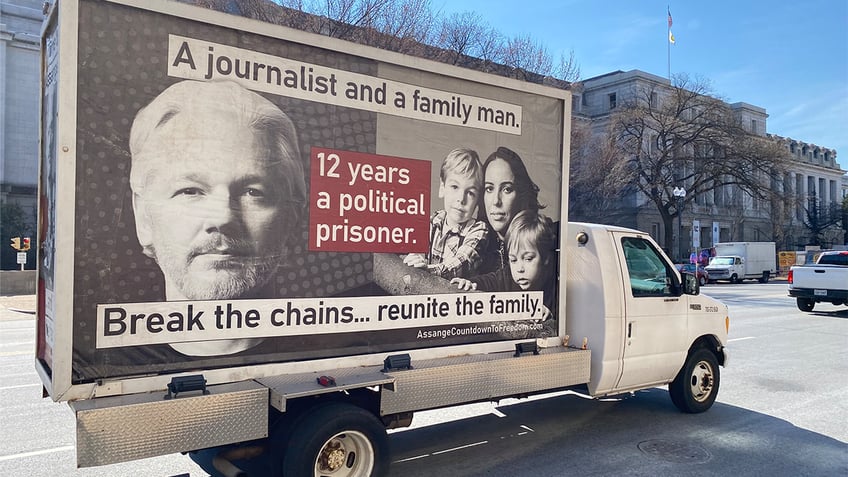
(730, 268)
(642, 317)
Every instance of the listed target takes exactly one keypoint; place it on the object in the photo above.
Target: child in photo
(456, 236)
(531, 242)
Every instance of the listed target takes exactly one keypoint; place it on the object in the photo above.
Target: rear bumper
(830, 295)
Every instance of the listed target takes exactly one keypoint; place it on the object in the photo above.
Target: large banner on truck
(244, 199)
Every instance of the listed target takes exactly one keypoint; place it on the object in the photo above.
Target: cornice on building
(616, 77)
(829, 155)
(748, 108)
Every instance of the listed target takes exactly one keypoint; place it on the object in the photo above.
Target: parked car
(697, 270)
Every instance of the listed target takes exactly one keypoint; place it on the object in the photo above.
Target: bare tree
(338, 18)
(458, 34)
(683, 137)
(567, 69)
(412, 27)
(845, 220)
(819, 218)
(404, 25)
(525, 54)
(782, 208)
(595, 195)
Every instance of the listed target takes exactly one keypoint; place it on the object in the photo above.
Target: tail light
(789, 277)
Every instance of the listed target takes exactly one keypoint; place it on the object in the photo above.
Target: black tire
(695, 387)
(735, 279)
(702, 281)
(765, 277)
(805, 304)
(341, 440)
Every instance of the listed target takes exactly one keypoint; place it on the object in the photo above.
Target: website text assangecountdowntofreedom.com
(479, 330)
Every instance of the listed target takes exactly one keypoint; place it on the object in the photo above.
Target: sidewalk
(17, 307)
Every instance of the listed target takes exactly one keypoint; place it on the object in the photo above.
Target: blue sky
(790, 58)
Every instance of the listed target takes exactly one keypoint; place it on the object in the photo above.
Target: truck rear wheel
(805, 304)
(338, 440)
(735, 279)
(695, 388)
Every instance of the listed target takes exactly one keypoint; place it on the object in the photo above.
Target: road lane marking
(23, 455)
(19, 386)
(16, 353)
(422, 456)
(743, 339)
(460, 447)
(412, 458)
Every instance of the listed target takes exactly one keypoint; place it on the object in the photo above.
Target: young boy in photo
(531, 242)
(456, 236)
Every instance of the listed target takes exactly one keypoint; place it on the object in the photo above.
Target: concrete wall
(17, 282)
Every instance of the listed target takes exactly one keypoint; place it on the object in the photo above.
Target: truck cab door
(655, 314)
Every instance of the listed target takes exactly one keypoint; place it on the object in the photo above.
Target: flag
(670, 34)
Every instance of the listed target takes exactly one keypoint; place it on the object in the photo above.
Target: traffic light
(16, 243)
(25, 245)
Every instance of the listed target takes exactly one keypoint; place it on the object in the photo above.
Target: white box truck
(737, 261)
(248, 235)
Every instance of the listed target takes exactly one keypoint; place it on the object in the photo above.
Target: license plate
(820, 292)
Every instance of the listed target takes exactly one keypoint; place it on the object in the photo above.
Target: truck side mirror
(690, 284)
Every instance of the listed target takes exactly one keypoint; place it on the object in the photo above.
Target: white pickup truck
(825, 281)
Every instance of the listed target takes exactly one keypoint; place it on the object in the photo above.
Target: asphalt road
(781, 411)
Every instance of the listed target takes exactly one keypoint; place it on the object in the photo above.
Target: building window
(654, 100)
(612, 101)
(754, 126)
(575, 104)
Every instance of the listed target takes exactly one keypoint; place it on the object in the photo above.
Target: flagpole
(668, 43)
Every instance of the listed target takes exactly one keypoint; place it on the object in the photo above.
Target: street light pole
(680, 194)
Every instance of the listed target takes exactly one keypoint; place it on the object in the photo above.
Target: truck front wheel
(805, 304)
(339, 440)
(695, 388)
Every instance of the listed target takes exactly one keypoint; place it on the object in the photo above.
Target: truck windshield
(722, 261)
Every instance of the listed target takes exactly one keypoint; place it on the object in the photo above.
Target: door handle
(630, 329)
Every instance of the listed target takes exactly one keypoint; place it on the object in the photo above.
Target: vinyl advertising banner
(241, 198)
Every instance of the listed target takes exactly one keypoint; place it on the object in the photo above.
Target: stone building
(20, 28)
(725, 214)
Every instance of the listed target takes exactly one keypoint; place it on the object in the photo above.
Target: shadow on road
(643, 434)
(830, 313)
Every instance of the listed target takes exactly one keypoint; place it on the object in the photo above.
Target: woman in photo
(507, 190)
